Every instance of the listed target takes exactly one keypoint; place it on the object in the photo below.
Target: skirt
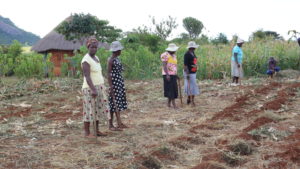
(170, 87)
(95, 106)
(191, 87)
(235, 71)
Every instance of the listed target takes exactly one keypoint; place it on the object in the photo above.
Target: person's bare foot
(122, 126)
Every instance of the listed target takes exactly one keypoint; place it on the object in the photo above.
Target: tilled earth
(255, 125)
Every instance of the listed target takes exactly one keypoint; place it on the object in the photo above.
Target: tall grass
(140, 63)
(213, 60)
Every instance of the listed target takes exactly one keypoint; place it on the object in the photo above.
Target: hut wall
(57, 58)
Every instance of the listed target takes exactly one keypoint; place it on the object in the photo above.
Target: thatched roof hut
(56, 44)
(55, 41)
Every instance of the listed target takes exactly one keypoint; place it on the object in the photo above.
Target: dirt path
(44, 129)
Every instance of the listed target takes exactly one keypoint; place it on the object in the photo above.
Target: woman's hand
(94, 93)
(168, 78)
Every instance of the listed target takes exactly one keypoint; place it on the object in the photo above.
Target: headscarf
(90, 41)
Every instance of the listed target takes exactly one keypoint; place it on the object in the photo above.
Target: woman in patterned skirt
(95, 102)
(117, 99)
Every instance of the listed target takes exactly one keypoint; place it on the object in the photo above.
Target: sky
(232, 17)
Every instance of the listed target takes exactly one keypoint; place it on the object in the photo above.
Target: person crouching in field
(95, 103)
(169, 72)
(117, 99)
(236, 62)
(190, 68)
(272, 68)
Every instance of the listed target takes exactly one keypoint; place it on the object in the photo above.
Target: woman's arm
(236, 59)
(109, 70)
(166, 70)
(87, 74)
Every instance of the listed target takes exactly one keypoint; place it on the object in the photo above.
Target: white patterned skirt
(97, 106)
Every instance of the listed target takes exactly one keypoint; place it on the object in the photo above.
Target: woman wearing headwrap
(95, 103)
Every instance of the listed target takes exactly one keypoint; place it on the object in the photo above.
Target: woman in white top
(95, 103)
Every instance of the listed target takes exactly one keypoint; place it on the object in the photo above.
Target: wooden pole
(179, 86)
(95, 119)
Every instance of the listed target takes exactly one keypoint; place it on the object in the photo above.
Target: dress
(118, 86)
(94, 106)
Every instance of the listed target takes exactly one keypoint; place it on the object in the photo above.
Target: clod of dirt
(151, 163)
(231, 159)
(241, 148)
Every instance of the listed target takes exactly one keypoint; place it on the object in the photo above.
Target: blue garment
(270, 72)
(239, 51)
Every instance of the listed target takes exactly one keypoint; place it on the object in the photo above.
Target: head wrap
(90, 41)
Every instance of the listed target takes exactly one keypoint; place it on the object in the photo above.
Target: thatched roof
(57, 41)
(54, 40)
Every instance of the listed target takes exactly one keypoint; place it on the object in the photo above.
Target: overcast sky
(240, 17)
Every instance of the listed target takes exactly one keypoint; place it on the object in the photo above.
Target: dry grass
(49, 134)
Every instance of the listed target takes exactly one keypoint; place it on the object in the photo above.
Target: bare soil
(41, 127)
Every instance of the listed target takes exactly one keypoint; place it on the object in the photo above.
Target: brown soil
(277, 165)
(257, 123)
(165, 154)
(62, 116)
(208, 165)
(23, 113)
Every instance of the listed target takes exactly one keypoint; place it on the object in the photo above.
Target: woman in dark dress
(117, 99)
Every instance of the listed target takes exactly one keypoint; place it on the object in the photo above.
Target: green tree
(80, 26)
(220, 39)
(164, 28)
(193, 26)
(261, 34)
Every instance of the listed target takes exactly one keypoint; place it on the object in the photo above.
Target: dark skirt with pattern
(119, 88)
(170, 87)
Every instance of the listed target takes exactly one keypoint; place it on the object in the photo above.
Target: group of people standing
(170, 77)
(96, 104)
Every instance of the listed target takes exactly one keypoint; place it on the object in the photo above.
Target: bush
(32, 65)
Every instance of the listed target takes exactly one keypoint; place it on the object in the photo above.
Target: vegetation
(165, 27)
(193, 26)
(14, 62)
(80, 26)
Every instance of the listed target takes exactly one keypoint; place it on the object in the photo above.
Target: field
(255, 125)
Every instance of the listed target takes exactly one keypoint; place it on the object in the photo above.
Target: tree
(164, 28)
(294, 35)
(193, 26)
(80, 26)
(220, 39)
(261, 34)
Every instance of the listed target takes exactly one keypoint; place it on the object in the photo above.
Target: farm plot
(251, 126)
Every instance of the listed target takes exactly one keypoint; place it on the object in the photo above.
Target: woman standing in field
(169, 72)
(236, 62)
(117, 99)
(190, 68)
(94, 99)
